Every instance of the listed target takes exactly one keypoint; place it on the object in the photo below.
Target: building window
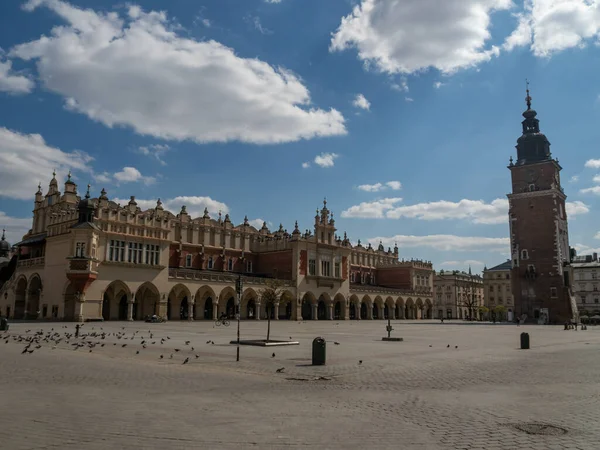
(524, 254)
(337, 269)
(312, 267)
(595, 300)
(363, 276)
(80, 250)
(153, 254)
(45, 311)
(593, 275)
(373, 280)
(116, 251)
(249, 266)
(230, 264)
(210, 262)
(325, 269)
(135, 253)
(583, 299)
(491, 288)
(351, 277)
(188, 260)
(595, 288)
(532, 187)
(553, 292)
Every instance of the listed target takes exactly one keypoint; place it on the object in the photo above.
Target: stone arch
(115, 300)
(409, 309)
(203, 303)
(419, 309)
(378, 307)
(323, 305)
(354, 307)
(249, 306)
(34, 293)
(286, 306)
(147, 299)
(339, 307)
(69, 303)
(177, 302)
(400, 311)
(225, 300)
(389, 309)
(366, 308)
(20, 297)
(428, 310)
(308, 300)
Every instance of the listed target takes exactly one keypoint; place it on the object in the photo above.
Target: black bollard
(524, 341)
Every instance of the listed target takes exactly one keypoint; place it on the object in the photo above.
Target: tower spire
(528, 98)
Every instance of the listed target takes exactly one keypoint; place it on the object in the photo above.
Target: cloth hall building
(91, 259)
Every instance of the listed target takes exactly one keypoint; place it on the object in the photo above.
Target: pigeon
(197, 356)
(137, 353)
(448, 346)
(212, 342)
(161, 356)
(208, 342)
(171, 357)
(456, 346)
(273, 355)
(280, 370)
(360, 362)
(186, 360)
(336, 343)
(192, 349)
(187, 342)
(176, 349)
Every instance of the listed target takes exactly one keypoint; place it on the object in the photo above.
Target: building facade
(458, 295)
(91, 259)
(585, 272)
(497, 288)
(539, 236)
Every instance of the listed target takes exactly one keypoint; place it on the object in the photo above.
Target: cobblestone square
(447, 386)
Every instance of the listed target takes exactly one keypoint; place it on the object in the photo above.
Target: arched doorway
(352, 311)
(363, 311)
(375, 311)
(208, 308)
(105, 307)
(20, 298)
(306, 309)
(321, 310)
(123, 308)
(288, 311)
(183, 309)
(251, 309)
(69, 312)
(147, 299)
(230, 308)
(386, 311)
(34, 290)
(337, 313)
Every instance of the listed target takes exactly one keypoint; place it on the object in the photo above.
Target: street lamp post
(238, 288)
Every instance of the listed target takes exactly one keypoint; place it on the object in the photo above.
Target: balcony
(31, 262)
(212, 276)
(83, 265)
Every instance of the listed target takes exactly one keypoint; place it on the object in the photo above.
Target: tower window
(553, 292)
(249, 267)
(188, 260)
(531, 187)
(524, 254)
(210, 262)
(230, 264)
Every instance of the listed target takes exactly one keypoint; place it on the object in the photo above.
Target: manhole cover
(539, 429)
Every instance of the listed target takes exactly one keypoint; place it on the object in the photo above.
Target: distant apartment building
(498, 291)
(457, 295)
(586, 284)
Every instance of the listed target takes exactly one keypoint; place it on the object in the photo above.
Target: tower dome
(4, 246)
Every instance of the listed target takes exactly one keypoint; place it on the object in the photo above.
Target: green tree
(483, 310)
(271, 294)
(500, 310)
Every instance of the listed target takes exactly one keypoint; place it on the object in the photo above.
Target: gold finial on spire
(54, 173)
(69, 175)
(528, 98)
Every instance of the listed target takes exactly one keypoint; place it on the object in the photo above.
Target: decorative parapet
(220, 277)
(83, 265)
(31, 262)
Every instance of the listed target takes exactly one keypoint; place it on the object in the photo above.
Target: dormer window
(210, 262)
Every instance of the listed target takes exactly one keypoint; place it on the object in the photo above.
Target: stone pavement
(485, 394)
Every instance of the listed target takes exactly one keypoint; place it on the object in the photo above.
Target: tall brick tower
(539, 237)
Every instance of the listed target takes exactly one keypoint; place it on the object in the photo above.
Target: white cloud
(15, 227)
(585, 249)
(445, 242)
(26, 159)
(257, 223)
(194, 204)
(305, 165)
(576, 208)
(326, 159)
(476, 211)
(272, 1)
(155, 151)
(467, 262)
(409, 99)
(412, 35)
(137, 71)
(256, 23)
(372, 210)
(593, 163)
(361, 102)
(574, 179)
(438, 84)
(549, 26)
(11, 82)
(402, 86)
(591, 190)
(393, 185)
(132, 175)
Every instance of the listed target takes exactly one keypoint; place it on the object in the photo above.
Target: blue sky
(403, 114)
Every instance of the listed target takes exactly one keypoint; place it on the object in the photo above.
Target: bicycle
(223, 322)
